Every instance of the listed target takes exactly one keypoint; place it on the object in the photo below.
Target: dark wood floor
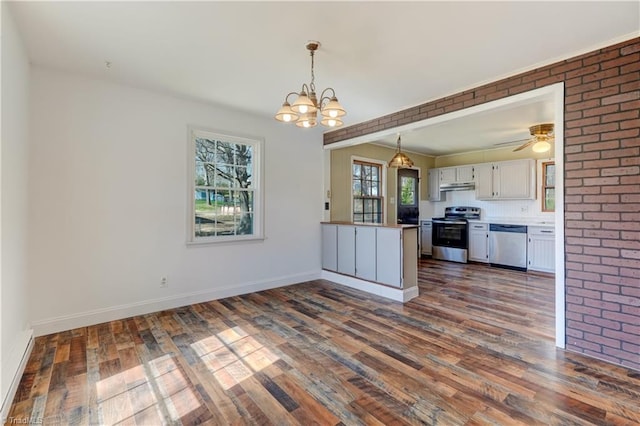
(476, 347)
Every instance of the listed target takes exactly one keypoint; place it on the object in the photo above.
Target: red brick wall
(602, 189)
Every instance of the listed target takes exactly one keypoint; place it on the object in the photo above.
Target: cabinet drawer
(478, 226)
(541, 230)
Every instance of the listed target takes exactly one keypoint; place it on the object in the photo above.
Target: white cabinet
(380, 254)
(426, 232)
(365, 252)
(541, 250)
(433, 176)
(389, 256)
(346, 250)
(479, 242)
(505, 180)
(330, 247)
(456, 174)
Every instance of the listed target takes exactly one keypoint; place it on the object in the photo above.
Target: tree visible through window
(367, 192)
(549, 186)
(226, 193)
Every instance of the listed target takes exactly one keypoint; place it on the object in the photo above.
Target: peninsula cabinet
(541, 249)
(377, 253)
(506, 180)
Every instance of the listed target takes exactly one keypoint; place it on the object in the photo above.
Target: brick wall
(602, 189)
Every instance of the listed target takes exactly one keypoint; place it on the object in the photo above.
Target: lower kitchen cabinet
(382, 254)
(389, 257)
(479, 242)
(541, 249)
(330, 247)
(346, 250)
(366, 254)
(426, 234)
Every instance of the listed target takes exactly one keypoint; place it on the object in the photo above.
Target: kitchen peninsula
(376, 258)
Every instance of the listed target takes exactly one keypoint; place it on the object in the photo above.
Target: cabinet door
(347, 250)
(366, 252)
(484, 181)
(425, 238)
(434, 185)
(448, 175)
(513, 179)
(464, 174)
(389, 256)
(478, 242)
(541, 250)
(330, 247)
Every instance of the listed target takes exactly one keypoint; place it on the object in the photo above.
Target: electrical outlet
(524, 209)
(163, 282)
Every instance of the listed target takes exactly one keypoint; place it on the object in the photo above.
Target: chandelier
(304, 110)
(400, 160)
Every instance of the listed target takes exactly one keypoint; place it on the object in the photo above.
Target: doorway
(408, 197)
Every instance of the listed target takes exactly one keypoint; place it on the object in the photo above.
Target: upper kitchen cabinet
(459, 174)
(433, 180)
(506, 180)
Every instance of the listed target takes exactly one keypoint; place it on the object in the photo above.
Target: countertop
(379, 225)
(529, 221)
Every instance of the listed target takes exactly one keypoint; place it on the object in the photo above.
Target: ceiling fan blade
(524, 145)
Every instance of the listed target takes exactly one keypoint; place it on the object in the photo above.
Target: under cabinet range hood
(457, 186)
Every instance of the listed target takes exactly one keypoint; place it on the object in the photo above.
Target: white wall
(14, 329)
(108, 189)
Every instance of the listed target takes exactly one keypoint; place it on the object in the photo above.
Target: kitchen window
(367, 191)
(226, 188)
(549, 186)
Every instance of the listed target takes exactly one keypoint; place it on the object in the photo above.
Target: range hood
(457, 186)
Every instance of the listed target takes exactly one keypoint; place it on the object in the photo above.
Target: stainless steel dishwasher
(508, 246)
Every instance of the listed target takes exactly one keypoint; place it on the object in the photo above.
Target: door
(408, 196)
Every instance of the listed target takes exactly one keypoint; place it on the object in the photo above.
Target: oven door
(450, 234)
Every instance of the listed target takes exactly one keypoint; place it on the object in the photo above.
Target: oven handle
(450, 222)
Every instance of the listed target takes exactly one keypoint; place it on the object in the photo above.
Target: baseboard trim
(397, 294)
(19, 357)
(97, 316)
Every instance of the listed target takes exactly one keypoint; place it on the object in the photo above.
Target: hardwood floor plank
(474, 348)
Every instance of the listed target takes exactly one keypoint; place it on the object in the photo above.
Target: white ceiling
(380, 57)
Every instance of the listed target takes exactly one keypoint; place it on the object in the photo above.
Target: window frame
(257, 163)
(544, 186)
(382, 180)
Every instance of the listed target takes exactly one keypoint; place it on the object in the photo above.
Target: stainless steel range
(451, 235)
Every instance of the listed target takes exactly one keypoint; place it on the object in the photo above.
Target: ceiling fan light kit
(541, 138)
(304, 109)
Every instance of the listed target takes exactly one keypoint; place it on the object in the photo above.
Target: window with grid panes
(226, 203)
(367, 192)
(549, 186)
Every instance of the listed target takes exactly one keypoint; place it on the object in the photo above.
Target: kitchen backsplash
(511, 209)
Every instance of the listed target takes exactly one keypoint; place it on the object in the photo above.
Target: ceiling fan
(541, 138)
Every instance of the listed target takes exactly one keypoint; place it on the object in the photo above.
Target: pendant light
(304, 110)
(400, 160)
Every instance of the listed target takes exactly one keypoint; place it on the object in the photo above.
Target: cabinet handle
(546, 232)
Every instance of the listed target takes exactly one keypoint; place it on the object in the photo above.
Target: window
(226, 200)
(549, 186)
(367, 192)
(408, 191)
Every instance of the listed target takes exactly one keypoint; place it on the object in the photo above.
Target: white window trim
(383, 187)
(258, 183)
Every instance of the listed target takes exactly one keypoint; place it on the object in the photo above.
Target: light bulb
(331, 123)
(333, 114)
(305, 123)
(286, 117)
(303, 109)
